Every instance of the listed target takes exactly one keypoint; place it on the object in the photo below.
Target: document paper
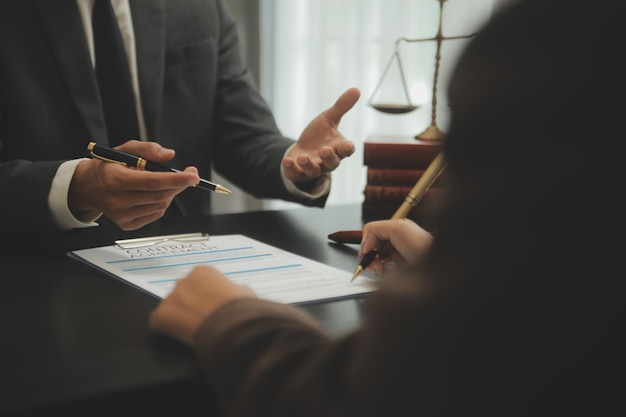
(274, 274)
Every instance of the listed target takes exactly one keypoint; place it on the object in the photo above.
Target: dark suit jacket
(197, 98)
(519, 308)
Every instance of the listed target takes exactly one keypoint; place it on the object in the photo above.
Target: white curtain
(313, 50)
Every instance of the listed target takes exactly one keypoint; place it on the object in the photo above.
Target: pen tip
(221, 190)
(357, 272)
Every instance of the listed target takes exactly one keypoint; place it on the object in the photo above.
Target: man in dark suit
(192, 95)
(517, 307)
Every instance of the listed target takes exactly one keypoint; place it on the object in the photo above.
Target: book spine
(398, 156)
(393, 177)
(395, 194)
(399, 177)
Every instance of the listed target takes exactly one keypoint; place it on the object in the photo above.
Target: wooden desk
(75, 341)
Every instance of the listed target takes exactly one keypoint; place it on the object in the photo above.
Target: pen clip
(102, 158)
(143, 242)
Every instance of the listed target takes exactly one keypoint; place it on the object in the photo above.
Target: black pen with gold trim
(132, 161)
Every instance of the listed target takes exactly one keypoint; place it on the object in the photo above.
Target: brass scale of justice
(432, 132)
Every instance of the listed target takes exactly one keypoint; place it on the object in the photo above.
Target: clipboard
(154, 264)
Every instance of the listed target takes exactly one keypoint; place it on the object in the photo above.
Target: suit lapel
(67, 38)
(149, 26)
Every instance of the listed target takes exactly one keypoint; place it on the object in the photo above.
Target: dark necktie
(113, 75)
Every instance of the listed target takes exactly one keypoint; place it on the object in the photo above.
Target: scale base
(432, 132)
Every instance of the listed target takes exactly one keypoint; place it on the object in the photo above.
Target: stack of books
(394, 165)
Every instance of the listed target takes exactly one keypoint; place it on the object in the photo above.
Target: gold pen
(410, 201)
(118, 157)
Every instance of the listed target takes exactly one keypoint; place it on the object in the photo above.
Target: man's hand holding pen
(131, 198)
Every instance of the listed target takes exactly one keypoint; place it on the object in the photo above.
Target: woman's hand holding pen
(406, 242)
(129, 197)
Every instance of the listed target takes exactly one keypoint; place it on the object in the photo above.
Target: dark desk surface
(76, 341)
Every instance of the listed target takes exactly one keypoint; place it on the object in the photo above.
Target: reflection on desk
(75, 340)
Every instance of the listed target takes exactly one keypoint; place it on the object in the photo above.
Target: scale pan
(394, 108)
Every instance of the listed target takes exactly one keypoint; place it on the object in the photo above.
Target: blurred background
(304, 53)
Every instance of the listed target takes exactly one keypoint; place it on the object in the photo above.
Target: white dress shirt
(57, 199)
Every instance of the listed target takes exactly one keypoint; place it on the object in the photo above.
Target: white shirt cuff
(321, 188)
(57, 199)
